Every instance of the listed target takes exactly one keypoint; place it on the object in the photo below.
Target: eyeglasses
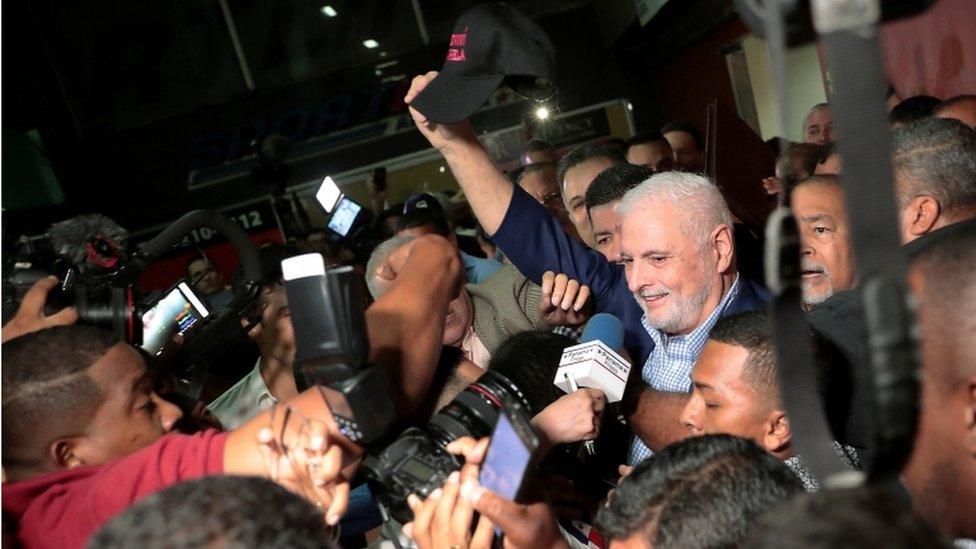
(553, 200)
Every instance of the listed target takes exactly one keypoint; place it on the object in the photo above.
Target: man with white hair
(679, 267)
(678, 254)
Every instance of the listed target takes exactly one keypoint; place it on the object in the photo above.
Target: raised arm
(405, 329)
(529, 235)
(406, 324)
(485, 186)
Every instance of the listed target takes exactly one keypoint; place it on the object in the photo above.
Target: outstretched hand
(30, 315)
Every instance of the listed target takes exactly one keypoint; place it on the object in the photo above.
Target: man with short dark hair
(818, 126)
(576, 172)
(941, 474)
(705, 492)
(826, 253)
(218, 511)
(540, 181)
(62, 413)
(602, 199)
(536, 151)
(687, 144)
(204, 276)
(844, 519)
(736, 392)
(650, 150)
(960, 107)
(914, 108)
(935, 175)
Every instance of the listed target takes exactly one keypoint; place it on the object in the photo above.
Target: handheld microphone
(595, 362)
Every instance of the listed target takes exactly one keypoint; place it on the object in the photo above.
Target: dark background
(124, 99)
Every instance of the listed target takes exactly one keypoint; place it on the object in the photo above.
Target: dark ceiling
(120, 101)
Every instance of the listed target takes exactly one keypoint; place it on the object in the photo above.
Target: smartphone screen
(176, 313)
(344, 216)
(328, 194)
(505, 461)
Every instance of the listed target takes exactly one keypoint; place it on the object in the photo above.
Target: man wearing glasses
(539, 180)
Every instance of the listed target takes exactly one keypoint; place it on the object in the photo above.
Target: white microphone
(595, 362)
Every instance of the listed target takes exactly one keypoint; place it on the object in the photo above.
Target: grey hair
(937, 157)
(699, 198)
(815, 108)
(376, 259)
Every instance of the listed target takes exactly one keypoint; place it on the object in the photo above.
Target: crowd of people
(699, 453)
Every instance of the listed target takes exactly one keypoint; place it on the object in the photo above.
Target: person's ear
(924, 212)
(776, 433)
(723, 247)
(969, 407)
(65, 453)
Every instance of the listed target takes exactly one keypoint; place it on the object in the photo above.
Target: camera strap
(811, 434)
(849, 31)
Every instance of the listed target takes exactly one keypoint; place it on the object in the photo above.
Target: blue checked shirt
(669, 366)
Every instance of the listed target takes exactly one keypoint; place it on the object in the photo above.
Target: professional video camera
(98, 276)
(83, 252)
(332, 351)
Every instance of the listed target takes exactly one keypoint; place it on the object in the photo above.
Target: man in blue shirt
(677, 276)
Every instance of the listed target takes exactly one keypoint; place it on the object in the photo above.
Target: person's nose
(638, 276)
(167, 413)
(691, 417)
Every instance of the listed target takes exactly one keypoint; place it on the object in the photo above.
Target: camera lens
(112, 308)
(473, 413)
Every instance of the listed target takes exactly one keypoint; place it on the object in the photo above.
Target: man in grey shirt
(272, 379)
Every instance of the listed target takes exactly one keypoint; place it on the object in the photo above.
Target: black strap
(848, 29)
(811, 434)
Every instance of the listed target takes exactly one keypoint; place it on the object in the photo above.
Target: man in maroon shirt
(84, 435)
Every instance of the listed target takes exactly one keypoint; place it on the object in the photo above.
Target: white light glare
(630, 106)
(371, 44)
(328, 11)
(542, 113)
(442, 169)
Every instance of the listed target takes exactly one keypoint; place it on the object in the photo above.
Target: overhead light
(442, 169)
(630, 106)
(371, 44)
(542, 113)
(328, 11)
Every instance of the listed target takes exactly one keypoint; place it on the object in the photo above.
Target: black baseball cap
(490, 44)
(422, 200)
